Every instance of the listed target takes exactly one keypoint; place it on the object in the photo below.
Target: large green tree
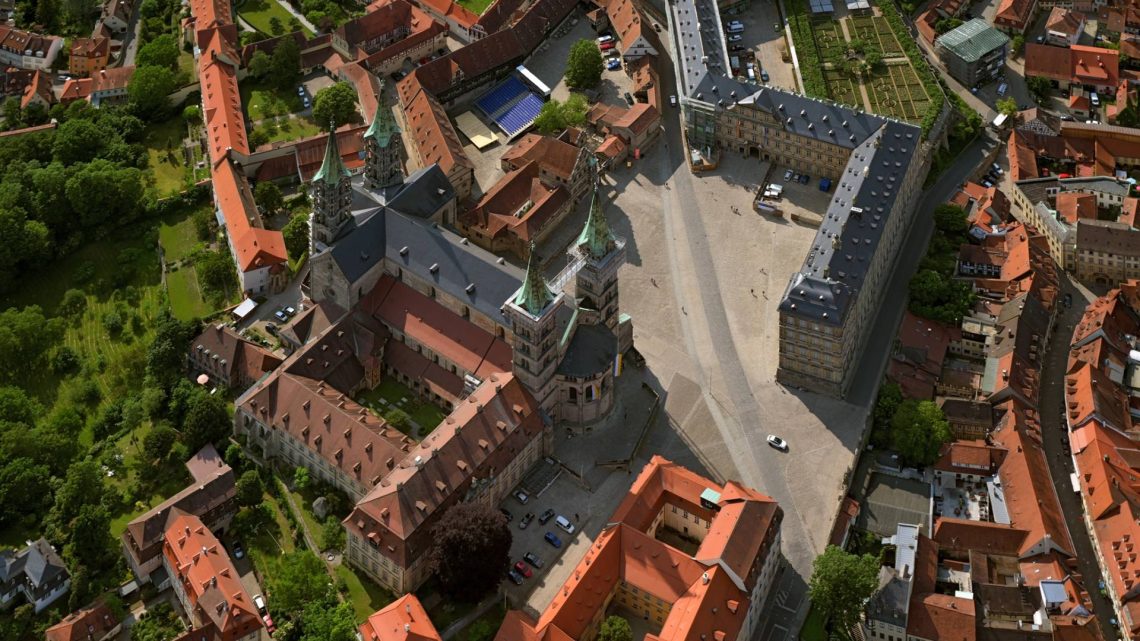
(918, 431)
(615, 628)
(584, 65)
(149, 91)
(886, 404)
(249, 489)
(841, 583)
(26, 337)
(328, 621)
(300, 578)
(160, 52)
(285, 65)
(206, 421)
(471, 550)
(268, 196)
(296, 233)
(335, 104)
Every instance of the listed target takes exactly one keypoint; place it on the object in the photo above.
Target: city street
(1052, 405)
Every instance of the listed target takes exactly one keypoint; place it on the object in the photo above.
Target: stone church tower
(532, 312)
(602, 255)
(331, 192)
(383, 166)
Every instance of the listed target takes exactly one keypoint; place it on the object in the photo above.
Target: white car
(564, 523)
(777, 442)
(735, 38)
(521, 497)
(672, 101)
(788, 174)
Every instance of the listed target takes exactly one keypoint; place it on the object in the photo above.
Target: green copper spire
(596, 238)
(534, 295)
(383, 124)
(332, 169)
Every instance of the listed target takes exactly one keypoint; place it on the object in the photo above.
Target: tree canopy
(285, 65)
(268, 197)
(159, 52)
(556, 116)
(149, 91)
(249, 489)
(471, 550)
(615, 628)
(1007, 106)
(335, 104)
(584, 65)
(296, 233)
(300, 579)
(918, 431)
(841, 583)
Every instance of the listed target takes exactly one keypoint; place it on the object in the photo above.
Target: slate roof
(972, 40)
(592, 350)
(423, 193)
(847, 239)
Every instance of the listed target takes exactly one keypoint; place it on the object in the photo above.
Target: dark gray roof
(890, 602)
(700, 45)
(424, 193)
(973, 39)
(11, 565)
(591, 351)
(42, 564)
(852, 227)
(1105, 184)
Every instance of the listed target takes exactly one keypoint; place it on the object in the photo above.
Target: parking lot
(800, 198)
(763, 36)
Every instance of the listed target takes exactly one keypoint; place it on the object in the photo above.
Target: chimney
(705, 578)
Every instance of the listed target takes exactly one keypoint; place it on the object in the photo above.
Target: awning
(243, 310)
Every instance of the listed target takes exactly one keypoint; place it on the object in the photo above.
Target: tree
(301, 477)
(918, 431)
(1007, 106)
(149, 91)
(160, 52)
(78, 141)
(398, 419)
(887, 403)
(88, 541)
(556, 116)
(584, 65)
(296, 233)
(82, 486)
(300, 578)
(268, 197)
(73, 304)
(615, 628)
(26, 337)
(328, 620)
(1039, 87)
(275, 26)
(332, 534)
(24, 490)
(951, 220)
(259, 64)
(1018, 44)
(286, 61)
(158, 442)
(335, 104)
(235, 457)
(841, 583)
(249, 489)
(158, 623)
(166, 356)
(216, 273)
(207, 420)
(471, 551)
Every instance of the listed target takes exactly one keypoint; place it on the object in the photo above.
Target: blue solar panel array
(501, 96)
(520, 115)
(511, 105)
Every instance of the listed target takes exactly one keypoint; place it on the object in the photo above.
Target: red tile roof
(402, 620)
(88, 624)
(1014, 14)
(520, 205)
(941, 617)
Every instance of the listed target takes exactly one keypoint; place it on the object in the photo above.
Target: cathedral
(566, 336)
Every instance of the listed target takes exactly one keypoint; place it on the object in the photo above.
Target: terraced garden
(895, 90)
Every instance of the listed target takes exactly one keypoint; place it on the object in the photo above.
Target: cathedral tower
(602, 255)
(382, 165)
(331, 193)
(532, 312)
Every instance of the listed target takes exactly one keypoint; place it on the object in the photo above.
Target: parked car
(986, 183)
(997, 168)
(306, 103)
(795, 177)
(604, 39)
(260, 603)
(546, 516)
(553, 539)
(629, 98)
(777, 442)
(515, 577)
(522, 569)
(672, 101)
(564, 523)
(804, 178)
(521, 497)
(301, 90)
(532, 558)
(526, 519)
(606, 46)
(763, 75)
(290, 311)
(239, 552)
(270, 627)
(613, 64)
(271, 328)
(280, 315)
(736, 48)
(736, 37)
(1068, 300)
(788, 175)
(507, 513)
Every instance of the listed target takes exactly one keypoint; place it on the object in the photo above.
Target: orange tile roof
(1094, 65)
(1074, 206)
(1047, 61)
(402, 620)
(963, 535)
(1014, 14)
(87, 624)
(1030, 496)
(221, 100)
(201, 566)
(706, 600)
(1064, 21)
(970, 457)
(553, 155)
(520, 205)
(254, 247)
(638, 118)
(430, 128)
(942, 617)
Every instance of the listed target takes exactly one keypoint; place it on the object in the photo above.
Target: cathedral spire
(383, 124)
(596, 239)
(332, 168)
(534, 295)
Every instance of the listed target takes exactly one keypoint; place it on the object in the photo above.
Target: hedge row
(921, 67)
(811, 69)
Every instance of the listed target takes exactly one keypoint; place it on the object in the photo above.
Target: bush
(64, 361)
(113, 323)
(811, 68)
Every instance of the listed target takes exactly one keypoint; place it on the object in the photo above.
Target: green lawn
(815, 628)
(263, 101)
(178, 236)
(179, 240)
(476, 6)
(260, 13)
(366, 597)
(291, 128)
(428, 416)
(163, 142)
(489, 620)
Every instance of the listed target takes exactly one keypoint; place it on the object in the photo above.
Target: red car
(269, 627)
(523, 569)
(606, 46)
